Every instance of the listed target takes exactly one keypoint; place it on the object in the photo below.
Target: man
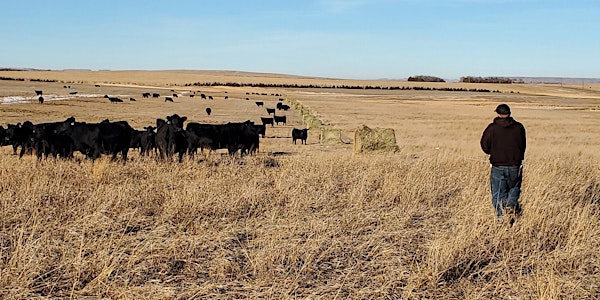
(504, 140)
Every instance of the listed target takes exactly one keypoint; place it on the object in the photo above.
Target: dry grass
(318, 222)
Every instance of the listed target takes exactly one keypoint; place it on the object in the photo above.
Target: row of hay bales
(365, 139)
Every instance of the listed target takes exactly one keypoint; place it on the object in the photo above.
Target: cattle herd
(169, 138)
(62, 139)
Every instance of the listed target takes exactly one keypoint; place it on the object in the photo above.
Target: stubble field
(303, 221)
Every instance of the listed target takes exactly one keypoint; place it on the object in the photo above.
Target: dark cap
(503, 109)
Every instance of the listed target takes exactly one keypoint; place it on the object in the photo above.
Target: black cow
(266, 121)
(279, 119)
(96, 85)
(285, 107)
(301, 134)
(38, 93)
(170, 137)
(113, 99)
(175, 96)
(93, 139)
(46, 141)
(226, 97)
(231, 136)
(41, 100)
(202, 96)
(259, 103)
(270, 111)
(19, 136)
(210, 98)
(131, 99)
(279, 105)
(208, 111)
(146, 95)
(155, 95)
(168, 99)
(73, 93)
(144, 140)
(3, 141)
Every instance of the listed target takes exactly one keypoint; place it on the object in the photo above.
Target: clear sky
(363, 39)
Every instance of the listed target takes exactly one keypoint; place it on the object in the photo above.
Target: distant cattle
(299, 134)
(96, 85)
(38, 93)
(279, 119)
(113, 99)
(285, 107)
(226, 97)
(280, 99)
(175, 96)
(146, 95)
(168, 99)
(155, 95)
(279, 105)
(41, 100)
(271, 111)
(131, 99)
(259, 103)
(266, 121)
(210, 97)
(73, 93)
(208, 111)
(202, 96)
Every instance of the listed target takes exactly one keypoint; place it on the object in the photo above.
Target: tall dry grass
(317, 226)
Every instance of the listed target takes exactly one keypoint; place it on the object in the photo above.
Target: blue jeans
(505, 183)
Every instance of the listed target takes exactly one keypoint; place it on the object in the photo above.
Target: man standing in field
(504, 140)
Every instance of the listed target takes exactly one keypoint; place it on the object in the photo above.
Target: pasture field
(302, 221)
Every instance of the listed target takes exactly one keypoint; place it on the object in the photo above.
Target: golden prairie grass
(317, 222)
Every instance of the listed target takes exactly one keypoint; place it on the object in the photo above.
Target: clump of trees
(423, 78)
(472, 79)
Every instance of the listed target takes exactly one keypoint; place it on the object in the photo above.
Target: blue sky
(328, 38)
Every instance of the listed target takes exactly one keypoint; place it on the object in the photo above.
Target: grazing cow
(73, 93)
(155, 95)
(170, 137)
(266, 121)
(38, 93)
(41, 100)
(285, 107)
(202, 96)
(270, 111)
(175, 96)
(96, 85)
(210, 98)
(279, 119)
(113, 99)
(279, 105)
(192, 95)
(131, 99)
(146, 95)
(259, 103)
(301, 134)
(226, 97)
(280, 99)
(247, 98)
(208, 111)
(168, 99)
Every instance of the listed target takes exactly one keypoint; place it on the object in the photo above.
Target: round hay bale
(330, 136)
(374, 140)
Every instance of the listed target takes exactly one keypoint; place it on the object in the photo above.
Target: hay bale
(374, 140)
(330, 136)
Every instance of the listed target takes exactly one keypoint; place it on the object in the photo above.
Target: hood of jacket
(504, 122)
